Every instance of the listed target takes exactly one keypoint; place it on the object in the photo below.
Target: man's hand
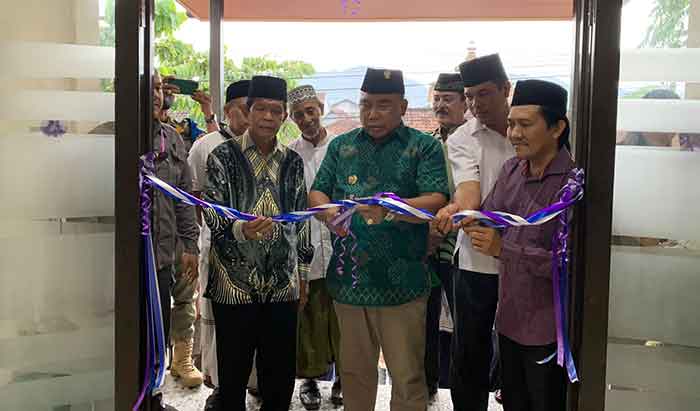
(168, 88)
(258, 229)
(190, 265)
(204, 101)
(443, 219)
(485, 240)
(327, 217)
(303, 294)
(435, 237)
(373, 214)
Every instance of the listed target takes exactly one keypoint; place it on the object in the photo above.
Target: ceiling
(385, 10)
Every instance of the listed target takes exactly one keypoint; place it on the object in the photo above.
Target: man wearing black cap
(449, 106)
(476, 152)
(377, 277)
(256, 266)
(539, 130)
(236, 113)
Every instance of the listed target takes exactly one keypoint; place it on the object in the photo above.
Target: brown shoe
(182, 366)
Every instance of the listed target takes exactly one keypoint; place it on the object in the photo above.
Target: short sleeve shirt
(477, 153)
(387, 258)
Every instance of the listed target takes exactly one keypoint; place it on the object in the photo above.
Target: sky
(421, 49)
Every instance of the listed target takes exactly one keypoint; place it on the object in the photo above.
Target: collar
(476, 127)
(400, 132)
(442, 132)
(247, 143)
(228, 130)
(321, 143)
(560, 164)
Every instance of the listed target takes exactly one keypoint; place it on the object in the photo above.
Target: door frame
(594, 115)
(594, 108)
(133, 65)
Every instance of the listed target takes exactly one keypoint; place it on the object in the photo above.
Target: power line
(515, 78)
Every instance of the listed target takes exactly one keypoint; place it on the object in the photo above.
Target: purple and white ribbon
(154, 371)
(570, 193)
(568, 196)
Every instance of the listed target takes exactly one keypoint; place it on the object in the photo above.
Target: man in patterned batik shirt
(257, 267)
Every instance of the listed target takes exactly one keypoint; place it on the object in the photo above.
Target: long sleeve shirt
(525, 300)
(172, 220)
(256, 271)
(320, 235)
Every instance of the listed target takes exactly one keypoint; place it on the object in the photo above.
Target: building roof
(343, 126)
(422, 119)
(419, 118)
(386, 10)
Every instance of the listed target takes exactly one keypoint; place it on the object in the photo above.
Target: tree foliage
(669, 28)
(178, 58)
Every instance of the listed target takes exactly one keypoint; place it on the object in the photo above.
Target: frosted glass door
(56, 205)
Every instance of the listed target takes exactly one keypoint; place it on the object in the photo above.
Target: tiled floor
(193, 400)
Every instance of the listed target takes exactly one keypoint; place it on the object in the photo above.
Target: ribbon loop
(568, 196)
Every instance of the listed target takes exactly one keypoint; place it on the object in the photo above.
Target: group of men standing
(297, 297)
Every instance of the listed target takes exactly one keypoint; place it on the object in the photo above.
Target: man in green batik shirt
(386, 308)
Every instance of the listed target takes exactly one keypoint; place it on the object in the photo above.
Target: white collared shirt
(197, 160)
(199, 153)
(477, 153)
(320, 236)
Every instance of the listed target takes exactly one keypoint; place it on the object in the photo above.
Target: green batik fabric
(446, 249)
(389, 257)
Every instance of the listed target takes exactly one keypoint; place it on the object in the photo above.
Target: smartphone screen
(187, 87)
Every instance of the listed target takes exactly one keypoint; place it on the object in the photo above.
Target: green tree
(178, 58)
(669, 28)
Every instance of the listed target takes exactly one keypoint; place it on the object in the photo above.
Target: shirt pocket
(177, 161)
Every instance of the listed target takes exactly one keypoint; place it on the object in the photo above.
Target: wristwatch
(389, 217)
(211, 119)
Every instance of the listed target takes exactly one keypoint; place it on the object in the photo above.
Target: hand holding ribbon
(338, 216)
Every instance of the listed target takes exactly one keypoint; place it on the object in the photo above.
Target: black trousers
(269, 329)
(475, 300)
(527, 385)
(432, 333)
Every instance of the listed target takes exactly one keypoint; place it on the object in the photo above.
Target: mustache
(442, 111)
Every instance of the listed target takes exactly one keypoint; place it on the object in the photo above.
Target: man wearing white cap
(319, 335)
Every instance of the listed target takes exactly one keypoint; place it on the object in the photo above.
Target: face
(157, 95)
(266, 117)
(237, 115)
(380, 114)
(529, 134)
(449, 108)
(488, 102)
(307, 116)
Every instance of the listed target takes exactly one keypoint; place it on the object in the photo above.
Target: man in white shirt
(236, 113)
(476, 152)
(318, 335)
